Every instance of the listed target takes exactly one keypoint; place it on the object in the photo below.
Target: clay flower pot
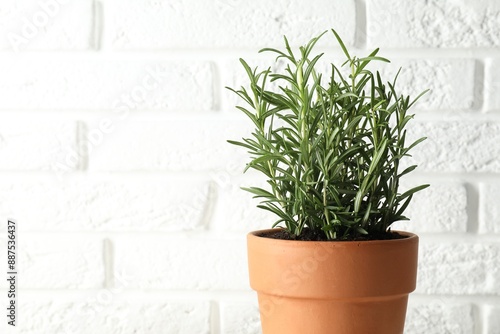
(330, 287)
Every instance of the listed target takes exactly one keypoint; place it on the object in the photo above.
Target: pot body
(332, 287)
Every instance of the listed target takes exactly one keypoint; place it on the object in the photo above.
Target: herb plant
(329, 144)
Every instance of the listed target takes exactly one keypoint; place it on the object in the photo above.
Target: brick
(46, 25)
(492, 324)
(441, 208)
(176, 145)
(240, 318)
(225, 23)
(112, 315)
(458, 269)
(439, 316)
(182, 263)
(118, 85)
(493, 85)
(47, 146)
(434, 23)
(488, 205)
(58, 262)
(95, 204)
(456, 146)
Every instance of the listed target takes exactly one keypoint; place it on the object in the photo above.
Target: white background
(113, 121)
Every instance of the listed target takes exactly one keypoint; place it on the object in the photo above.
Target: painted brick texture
(223, 23)
(433, 24)
(114, 160)
(117, 86)
(47, 25)
(86, 204)
(85, 315)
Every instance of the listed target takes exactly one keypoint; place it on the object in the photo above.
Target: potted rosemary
(330, 146)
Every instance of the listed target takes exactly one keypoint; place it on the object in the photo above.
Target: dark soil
(311, 235)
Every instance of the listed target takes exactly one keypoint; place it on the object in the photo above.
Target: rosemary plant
(329, 145)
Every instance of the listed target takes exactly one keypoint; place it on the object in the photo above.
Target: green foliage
(331, 152)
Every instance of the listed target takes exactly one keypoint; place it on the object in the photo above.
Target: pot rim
(258, 234)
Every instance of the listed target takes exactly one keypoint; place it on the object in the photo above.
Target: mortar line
(108, 263)
(477, 318)
(215, 320)
(97, 25)
(361, 24)
(472, 209)
(479, 84)
(216, 87)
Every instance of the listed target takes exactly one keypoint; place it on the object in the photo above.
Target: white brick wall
(443, 209)
(182, 263)
(105, 316)
(107, 85)
(60, 262)
(46, 25)
(44, 144)
(434, 23)
(458, 146)
(436, 317)
(135, 24)
(113, 156)
(169, 146)
(83, 203)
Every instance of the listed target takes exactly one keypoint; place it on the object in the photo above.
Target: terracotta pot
(330, 287)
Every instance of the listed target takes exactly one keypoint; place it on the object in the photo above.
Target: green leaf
(259, 192)
(412, 191)
(418, 97)
(342, 45)
(365, 59)
(408, 170)
(378, 155)
(237, 143)
(418, 141)
(310, 66)
(361, 230)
